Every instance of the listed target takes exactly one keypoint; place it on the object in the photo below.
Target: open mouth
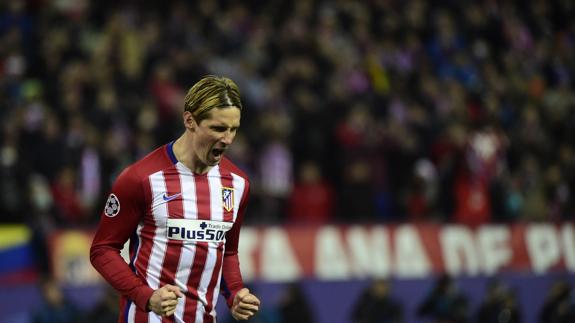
(217, 152)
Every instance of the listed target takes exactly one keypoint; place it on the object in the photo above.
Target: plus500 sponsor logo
(181, 233)
(197, 230)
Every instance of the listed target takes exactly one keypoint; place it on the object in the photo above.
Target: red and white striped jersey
(183, 229)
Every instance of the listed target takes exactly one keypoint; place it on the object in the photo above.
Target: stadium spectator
(69, 207)
(559, 306)
(56, 307)
(477, 88)
(276, 181)
(499, 305)
(294, 306)
(14, 197)
(312, 198)
(421, 193)
(444, 303)
(106, 310)
(357, 194)
(376, 305)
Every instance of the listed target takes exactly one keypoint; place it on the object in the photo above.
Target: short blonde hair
(211, 92)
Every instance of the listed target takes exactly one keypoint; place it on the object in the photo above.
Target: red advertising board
(286, 253)
(405, 251)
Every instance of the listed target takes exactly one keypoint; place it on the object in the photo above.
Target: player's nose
(227, 138)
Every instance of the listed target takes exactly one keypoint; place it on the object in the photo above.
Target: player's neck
(185, 154)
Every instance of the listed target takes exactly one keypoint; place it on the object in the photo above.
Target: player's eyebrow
(223, 126)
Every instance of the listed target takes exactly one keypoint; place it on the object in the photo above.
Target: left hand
(245, 305)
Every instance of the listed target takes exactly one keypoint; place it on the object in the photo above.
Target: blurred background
(410, 161)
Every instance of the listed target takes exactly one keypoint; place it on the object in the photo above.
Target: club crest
(228, 198)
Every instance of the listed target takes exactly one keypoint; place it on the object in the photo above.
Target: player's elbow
(94, 253)
(101, 254)
(97, 254)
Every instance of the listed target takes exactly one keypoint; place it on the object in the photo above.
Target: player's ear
(189, 121)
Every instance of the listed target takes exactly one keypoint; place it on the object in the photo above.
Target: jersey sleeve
(116, 226)
(231, 276)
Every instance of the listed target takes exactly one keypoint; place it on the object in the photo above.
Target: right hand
(164, 300)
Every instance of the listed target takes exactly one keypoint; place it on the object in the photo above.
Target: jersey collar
(170, 151)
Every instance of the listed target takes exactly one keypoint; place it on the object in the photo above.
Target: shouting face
(213, 135)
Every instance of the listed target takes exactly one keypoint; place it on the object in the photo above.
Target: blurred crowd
(445, 302)
(459, 111)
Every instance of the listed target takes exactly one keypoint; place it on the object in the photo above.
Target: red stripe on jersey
(147, 239)
(228, 181)
(202, 248)
(174, 248)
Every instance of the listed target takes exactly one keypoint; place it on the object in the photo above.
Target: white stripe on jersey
(205, 282)
(139, 235)
(154, 318)
(216, 203)
(239, 187)
(216, 213)
(188, 249)
(131, 313)
(160, 214)
(132, 309)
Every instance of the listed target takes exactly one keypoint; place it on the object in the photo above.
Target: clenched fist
(164, 300)
(245, 305)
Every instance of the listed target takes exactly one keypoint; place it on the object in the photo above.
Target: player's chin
(214, 159)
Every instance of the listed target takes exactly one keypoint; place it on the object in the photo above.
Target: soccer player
(182, 207)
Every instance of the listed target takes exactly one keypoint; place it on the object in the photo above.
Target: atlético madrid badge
(112, 206)
(228, 198)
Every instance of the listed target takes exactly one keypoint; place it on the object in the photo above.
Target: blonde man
(181, 207)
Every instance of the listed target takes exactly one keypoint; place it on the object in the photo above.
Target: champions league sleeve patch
(112, 206)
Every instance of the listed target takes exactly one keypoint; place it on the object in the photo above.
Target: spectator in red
(69, 208)
(483, 165)
(166, 91)
(312, 197)
(472, 203)
(417, 206)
